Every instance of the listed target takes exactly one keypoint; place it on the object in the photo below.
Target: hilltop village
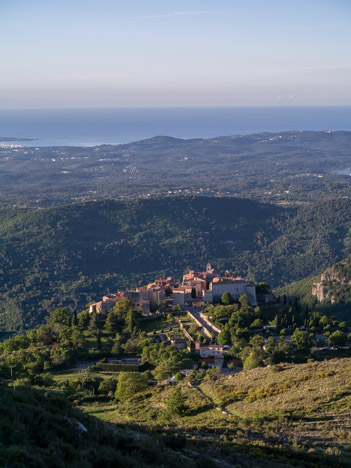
(191, 296)
(196, 289)
(207, 314)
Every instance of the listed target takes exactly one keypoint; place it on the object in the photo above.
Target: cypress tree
(93, 325)
(74, 321)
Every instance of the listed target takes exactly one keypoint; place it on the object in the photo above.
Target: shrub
(251, 361)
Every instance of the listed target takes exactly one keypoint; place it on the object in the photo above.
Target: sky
(162, 53)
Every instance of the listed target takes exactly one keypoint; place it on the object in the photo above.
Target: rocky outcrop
(333, 281)
(319, 290)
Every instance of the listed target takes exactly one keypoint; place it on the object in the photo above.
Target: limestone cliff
(335, 283)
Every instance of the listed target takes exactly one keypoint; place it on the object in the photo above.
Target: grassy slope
(303, 408)
(40, 429)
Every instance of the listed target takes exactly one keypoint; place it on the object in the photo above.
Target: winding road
(195, 313)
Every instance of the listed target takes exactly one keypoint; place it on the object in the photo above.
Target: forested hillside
(74, 254)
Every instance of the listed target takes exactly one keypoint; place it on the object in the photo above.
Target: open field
(72, 375)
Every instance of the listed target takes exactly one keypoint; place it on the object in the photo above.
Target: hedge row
(118, 367)
(109, 367)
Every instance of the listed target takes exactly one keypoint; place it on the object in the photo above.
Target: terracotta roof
(212, 347)
(235, 361)
(157, 289)
(231, 280)
(182, 289)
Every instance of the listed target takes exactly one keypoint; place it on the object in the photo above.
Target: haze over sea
(90, 127)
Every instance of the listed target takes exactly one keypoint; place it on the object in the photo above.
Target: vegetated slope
(300, 289)
(77, 253)
(296, 412)
(41, 429)
(331, 288)
(290, 167)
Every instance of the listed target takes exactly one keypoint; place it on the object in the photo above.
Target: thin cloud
(173, 14)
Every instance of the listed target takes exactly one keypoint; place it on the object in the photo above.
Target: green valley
(71, 255)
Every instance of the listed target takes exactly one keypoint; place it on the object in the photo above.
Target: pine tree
(112, 323)
(176, 404)
(130, 321)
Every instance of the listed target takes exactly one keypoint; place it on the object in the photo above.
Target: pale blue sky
(111, 53)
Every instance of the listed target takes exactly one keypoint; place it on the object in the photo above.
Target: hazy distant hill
(77, 253)
(285, 167)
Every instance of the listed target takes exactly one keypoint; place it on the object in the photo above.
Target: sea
(91, 127)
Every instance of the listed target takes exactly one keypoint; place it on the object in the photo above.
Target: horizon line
(251, 106)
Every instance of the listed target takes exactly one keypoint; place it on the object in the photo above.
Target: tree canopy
(130, 383)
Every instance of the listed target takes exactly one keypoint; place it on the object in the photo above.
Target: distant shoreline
(94, 127)
(89, 142)
(10, 139)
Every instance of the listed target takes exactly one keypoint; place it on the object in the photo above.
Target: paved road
(196, 313)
